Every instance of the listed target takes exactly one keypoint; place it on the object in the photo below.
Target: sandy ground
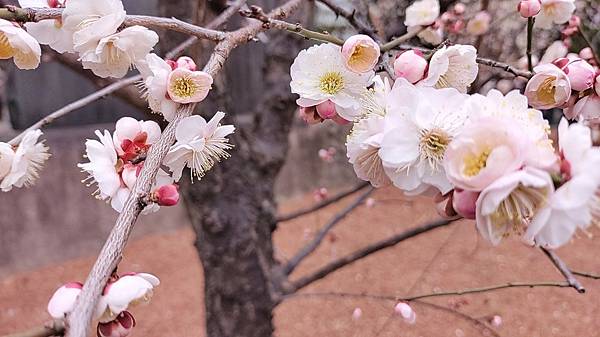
(445, 259)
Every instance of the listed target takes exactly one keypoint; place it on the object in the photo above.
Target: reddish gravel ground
(449, 258)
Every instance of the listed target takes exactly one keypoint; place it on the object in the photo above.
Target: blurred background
(51, 233)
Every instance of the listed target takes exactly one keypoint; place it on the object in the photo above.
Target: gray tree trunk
(233, 209)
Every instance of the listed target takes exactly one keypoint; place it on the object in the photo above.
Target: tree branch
(54, 328)
(400, 40)
(256, 12)
(322, 204)
(586, 274)
(80, 318)
(564, 270)
(356, 22)
(312, 245)
(364, 252)
(11, 13)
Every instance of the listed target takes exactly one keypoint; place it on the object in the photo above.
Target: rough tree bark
(233, 209)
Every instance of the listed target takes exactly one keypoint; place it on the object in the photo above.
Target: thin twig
(530, 23)
(322, 204)
(586, 274)
(77, 105)
(356, 22)
(400, 40)
(256, 12)
(564, 270)
(364, 252)
(80, 318)
(589, 43)
(54, 328)
(39, 14)
(312, 245)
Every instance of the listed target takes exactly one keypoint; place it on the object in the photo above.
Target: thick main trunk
(232, 209)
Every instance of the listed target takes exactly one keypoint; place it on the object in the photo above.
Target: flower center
(6, 50)
(184, 87)
(442, 82)
(331, 83)
(475, 163)
(515, 212)
(547, 90)
(433, 144)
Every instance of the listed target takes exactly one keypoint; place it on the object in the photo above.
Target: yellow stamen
(475, 163)
(331, 83)
(184, 87)
(547, 90)
(433, 144)
(6, 50)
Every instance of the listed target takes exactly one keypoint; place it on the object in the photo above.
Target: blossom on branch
(360, 53)
(17, 44)
(27, 161)
(200, 145)
(319, 75)
(548, 88)
(422, 13)
(49, 32)
(452, 67)
(187, 86)
(554, 11)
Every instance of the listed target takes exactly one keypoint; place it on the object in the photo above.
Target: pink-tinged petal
(464, 203)
(410, 65)
(127, 290)
(186, 62)
(187, 86)
(360, 53)
(326, 110)
(63, 300)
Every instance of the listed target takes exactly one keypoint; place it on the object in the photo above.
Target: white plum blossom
(7, 154)
(63, 300)
(319, 74)
(200, 144)
(17, 44)
(102, 167)
(116, 54)
(452, 67)
(516, 203)
(155, 72)
(548, 88)
(28, 160)
(431, 35)
(91, 21)
(420, 124)
(187, 86)
(554, 12)
(422, 13)
(126, 291)
(363, 145)
(48, 32)
(572, 202)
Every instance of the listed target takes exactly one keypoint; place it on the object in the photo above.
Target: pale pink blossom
(548, 88)
(186, 86)
(516, 203)
(452, 67)
(406, 312)
(186, 62)
(488, 149)
(410, 65)
(49, 32)
(356, 313)
(7, 154)
(63, 300)
(586, 53)
(17, 44)
(554, 12)
(479, 24)
(586, 109)
(422, 13)
(556, 50)
(581, 74)
(360, 53)
(529, 8)
(432, 35)
(155, 72)
(127, 290)
(363, 146)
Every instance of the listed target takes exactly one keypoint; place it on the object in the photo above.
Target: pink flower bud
(410, 65)
(167, 195)
(529, 8)
(310, 115)
(63, 300)
(326, 110)
(120, 327)
(320, 194)
(404, 310)
(187, 63)
(443, 205)
(53, 3)
(464, 202)
(356, 314)
(172, 64)
(575, 21)
(360, 53)
(586, 53)
(496, 321)
(370, 202)
(581, 74)
(459, 8)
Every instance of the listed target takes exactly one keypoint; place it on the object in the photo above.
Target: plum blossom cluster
(119, 295)
(20, 165)
(116, 160)
(483, 157)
